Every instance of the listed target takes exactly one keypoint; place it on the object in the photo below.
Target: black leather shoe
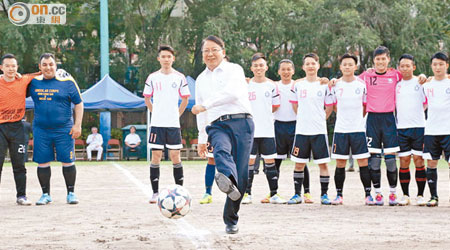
(226, 185)
(231, 229)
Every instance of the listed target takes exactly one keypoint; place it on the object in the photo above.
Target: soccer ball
(174, 202)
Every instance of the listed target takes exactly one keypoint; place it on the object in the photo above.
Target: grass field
(114, 214)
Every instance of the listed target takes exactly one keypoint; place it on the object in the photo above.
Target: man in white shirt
(437, 130)
(132, 142)
(165, 87)
(285, 120)
(95, 143)
(350, 131)
(264, 99)
(410, 104)
(223, 114)
(311, 128)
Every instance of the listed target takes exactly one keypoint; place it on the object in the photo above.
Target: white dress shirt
(222, 91)
(95, 140)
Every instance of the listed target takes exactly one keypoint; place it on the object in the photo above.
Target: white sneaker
(23, 201)
(247, 199)
(154, 198)
(421, 201)
(404, 201)
(277, 199)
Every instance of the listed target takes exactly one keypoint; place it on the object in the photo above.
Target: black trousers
(12, 137)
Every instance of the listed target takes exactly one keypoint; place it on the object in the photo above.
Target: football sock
(432, 181)
(405, 177)
(154, 177)
(391, 169)
(364, 175)
(298, 181)
(421, 179)
(44, 174)
(339, 178)
(251, 175)
(278, 165)
(306, 180)
(70, 175)
(375, 172)
(324, 181)
(272, 177)
(209, 177)
(178, 173)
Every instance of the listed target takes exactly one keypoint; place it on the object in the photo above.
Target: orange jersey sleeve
(12, 98)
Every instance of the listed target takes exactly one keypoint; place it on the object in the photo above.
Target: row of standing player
(308, 98)
(350, 98)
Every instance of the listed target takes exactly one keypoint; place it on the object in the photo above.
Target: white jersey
(166, 90)
(285, 112)
(409, 104)
(350, 100)
(311, 98)
(438, 97)
(263, 96)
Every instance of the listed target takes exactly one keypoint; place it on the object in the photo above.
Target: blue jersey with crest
(53, 100)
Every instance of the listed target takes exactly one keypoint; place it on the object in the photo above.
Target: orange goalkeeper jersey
(12, 98)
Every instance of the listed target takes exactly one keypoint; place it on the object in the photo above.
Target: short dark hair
(132, 127)
(312, 55)
(348, 55)
(46, 56)
(286, 61)
(407, 56)
(166, 48)
(217, 40)
(380, 50)
(441, 56)
(7, 56)
(258, 56)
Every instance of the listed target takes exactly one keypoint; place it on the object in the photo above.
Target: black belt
(233, 116)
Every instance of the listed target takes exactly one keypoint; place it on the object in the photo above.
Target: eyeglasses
(215, 50)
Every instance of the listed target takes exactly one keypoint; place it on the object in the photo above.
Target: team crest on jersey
(447, 91)
(390, 80)
(174, 85)
(416, 88)
(319, 93)
(358, 91)
(267, 94)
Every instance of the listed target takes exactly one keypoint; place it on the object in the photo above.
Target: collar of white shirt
(220, 67)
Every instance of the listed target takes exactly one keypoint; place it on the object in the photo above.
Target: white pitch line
(195, 235)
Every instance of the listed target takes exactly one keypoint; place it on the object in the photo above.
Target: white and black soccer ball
(174, 202)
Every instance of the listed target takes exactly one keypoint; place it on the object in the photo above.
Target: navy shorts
(305, 144)
(265, 146)
(343, 142)
(284, 137)
(382, 133)
(168, 137)
(434, 145)
(410, 141)
(47, 141)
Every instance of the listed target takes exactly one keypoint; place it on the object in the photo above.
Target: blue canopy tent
(107, 94)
